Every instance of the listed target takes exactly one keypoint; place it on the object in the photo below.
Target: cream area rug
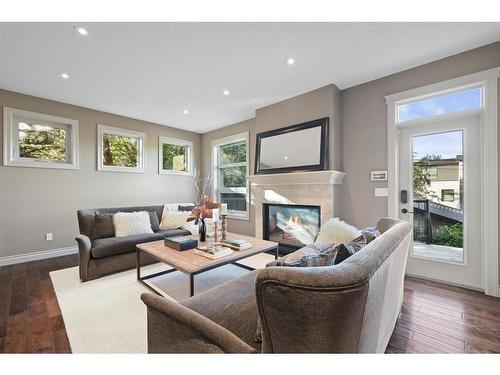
(107, 315)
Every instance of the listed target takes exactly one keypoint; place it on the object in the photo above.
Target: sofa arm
(174, 328)
(84, 246)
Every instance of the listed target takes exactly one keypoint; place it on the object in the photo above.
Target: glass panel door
(439, 177)
(438, 196)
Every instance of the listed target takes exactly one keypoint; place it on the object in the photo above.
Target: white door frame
(488, 79)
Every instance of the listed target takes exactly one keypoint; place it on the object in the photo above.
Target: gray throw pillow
(185, 208)
(345, 251)
(155, 223)
(103, 226)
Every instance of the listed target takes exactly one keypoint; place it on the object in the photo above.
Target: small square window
(448, 195)
(175, 156)
(40, 141)
(433, 173)
(120, 150)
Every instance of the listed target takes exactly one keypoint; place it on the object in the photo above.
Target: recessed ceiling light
(81, 30)
(65, 75)
(186, 112)
(286, 157)
(290, 61)
(226, 92)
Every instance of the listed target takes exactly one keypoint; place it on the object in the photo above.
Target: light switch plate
(48, 236)
(381, 192)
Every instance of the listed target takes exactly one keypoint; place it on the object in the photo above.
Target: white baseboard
(37, 255)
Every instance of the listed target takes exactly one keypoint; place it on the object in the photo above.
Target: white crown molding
(329, 177)
(37, 255)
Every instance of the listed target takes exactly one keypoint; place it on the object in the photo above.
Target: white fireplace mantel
(329, 177)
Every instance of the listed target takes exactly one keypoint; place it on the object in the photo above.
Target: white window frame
(488, 79)
(11, 156)
(141, 162)
(239, 215)
(179, 142)
(437, 94)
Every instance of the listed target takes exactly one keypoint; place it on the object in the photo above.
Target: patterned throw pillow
(315, 255)
(345, 251)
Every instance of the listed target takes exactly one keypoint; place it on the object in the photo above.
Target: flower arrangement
(203, 212)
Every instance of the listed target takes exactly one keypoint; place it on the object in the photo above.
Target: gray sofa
(103, 256)
(348, 308)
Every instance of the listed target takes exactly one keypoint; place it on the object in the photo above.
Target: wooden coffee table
(192, 264)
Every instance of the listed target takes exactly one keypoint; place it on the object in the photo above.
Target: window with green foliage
(40, 141)
(120, 150)
(231, 166)
(175, 156)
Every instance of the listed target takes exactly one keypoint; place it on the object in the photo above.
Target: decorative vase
(202, 229)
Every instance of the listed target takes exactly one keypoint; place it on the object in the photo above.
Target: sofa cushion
(345, 251)
(103, 226)
(155, 223)
(104, 247)
(232, 305)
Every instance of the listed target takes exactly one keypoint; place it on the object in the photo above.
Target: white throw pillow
(173, 219)
(131, 223)
(337, 231)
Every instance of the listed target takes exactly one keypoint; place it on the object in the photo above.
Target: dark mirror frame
(321, 166)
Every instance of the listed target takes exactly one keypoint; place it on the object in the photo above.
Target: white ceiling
(153, 71)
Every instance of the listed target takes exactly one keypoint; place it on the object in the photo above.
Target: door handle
(404, 196)
(405, 211)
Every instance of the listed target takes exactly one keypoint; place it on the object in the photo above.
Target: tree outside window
(120, 150)
(175, 156)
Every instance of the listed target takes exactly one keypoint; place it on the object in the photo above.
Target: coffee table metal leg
(276, 256)
(138, 264)
(191, 285)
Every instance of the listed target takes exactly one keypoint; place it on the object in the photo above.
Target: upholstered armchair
(348, 308)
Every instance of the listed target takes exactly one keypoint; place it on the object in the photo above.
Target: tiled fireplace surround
(309, 188)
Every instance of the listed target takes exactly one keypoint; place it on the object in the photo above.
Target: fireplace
(291, 225)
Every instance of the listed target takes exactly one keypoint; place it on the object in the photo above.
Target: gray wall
(364, 126)
(36, 201)
(309, 106)
(323, 102)
(246, 227)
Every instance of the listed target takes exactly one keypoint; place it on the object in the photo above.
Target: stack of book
(213, 252)
(237, 245)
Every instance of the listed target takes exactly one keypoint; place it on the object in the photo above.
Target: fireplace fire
(292, 226)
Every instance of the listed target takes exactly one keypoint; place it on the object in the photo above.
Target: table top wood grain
(191, 263)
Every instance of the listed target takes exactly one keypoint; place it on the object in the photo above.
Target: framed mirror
(297, 148)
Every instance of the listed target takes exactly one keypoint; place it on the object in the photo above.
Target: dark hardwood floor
(436, 318)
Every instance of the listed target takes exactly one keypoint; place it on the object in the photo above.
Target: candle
(215, 214)
(223, 209)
